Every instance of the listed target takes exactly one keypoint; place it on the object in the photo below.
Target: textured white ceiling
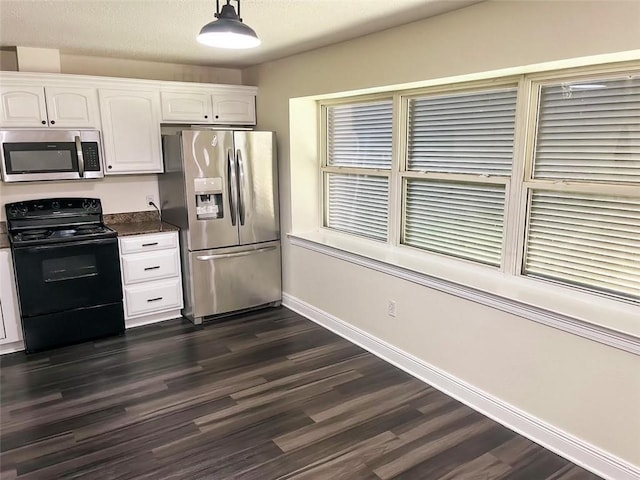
(165, 30)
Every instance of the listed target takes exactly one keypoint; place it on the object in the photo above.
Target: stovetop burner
(61, 233)
(51, 220)
(34, 234)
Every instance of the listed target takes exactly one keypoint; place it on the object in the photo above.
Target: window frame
(405, 174)
(518, 186)
(326, 169)
(529, 184)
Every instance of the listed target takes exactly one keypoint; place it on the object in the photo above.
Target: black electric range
(67, 271)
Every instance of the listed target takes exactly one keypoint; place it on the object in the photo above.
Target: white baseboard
(574, 449)
(153, 318)
(12, 347)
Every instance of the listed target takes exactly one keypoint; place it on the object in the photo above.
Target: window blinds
(588, 240)
(462, 220)
(360, 135)
(358, 204)
(463, 132)
(589, 131)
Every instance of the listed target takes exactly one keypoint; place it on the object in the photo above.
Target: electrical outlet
(391, 308)
(150, 200)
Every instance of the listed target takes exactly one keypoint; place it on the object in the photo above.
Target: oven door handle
(80, 156)
(41, 248)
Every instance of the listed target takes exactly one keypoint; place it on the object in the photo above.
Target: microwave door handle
(80, 156)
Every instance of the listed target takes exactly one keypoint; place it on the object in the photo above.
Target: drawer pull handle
(151, 268)
(149, 244)
(154, 299)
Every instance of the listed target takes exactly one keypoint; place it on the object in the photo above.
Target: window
(357, 168)
(583, 225)
(562, 207)
(458, 163)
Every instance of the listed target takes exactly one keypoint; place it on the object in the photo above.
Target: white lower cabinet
(10, 326)
(151, 277)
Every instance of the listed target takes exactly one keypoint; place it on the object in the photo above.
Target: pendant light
(228, 31)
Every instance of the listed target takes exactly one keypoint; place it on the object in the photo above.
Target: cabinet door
(235, 109)
(186, 107)
(22, 106)
(131, 130)
(11, 328)
(72, 107)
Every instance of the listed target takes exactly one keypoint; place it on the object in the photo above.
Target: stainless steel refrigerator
(220, 188)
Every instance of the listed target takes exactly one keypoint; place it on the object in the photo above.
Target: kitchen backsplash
(117, 193)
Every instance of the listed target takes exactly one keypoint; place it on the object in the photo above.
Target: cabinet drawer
(152, 297)
(141, 267)
(148, 243)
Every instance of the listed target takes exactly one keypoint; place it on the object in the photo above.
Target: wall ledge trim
(564, 444)
(597, 333)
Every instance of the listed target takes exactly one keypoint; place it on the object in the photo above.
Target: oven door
(66, 276)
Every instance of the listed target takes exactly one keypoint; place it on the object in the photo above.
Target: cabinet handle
(149, 244)
(152, 268)
(109, 167)
(154, 299)
(53, 122)
(206, 116)
(44, 122)
(217, 116)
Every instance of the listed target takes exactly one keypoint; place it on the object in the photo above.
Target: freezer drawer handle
(149, 244)
(154, 299)
(233, 255)
(152, 268)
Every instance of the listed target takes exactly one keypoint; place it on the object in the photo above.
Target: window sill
(608, 321)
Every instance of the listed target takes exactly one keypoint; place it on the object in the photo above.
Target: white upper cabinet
(22, 106)
(186, 107)
(72, 107)
(131, 131)
(225, 108)
(128, 112)
(234, 109)
(32, 106)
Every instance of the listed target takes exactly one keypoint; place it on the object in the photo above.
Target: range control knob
(55, 205)
(90, 204)
(13, 211)
(19, 210)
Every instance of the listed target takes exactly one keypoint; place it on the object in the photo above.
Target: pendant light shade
(228, 31)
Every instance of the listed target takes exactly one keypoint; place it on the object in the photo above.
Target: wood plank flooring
(266, 395)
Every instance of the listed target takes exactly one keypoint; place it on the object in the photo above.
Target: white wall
(119, 67)
(586, 389)
(124, 193)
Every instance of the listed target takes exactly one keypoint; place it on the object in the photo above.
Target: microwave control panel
(91, 156)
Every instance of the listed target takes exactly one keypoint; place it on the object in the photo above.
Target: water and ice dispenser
(208, 193)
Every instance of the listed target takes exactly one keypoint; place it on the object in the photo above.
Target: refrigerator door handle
(241, 178)
(233, 255)
(232, 185)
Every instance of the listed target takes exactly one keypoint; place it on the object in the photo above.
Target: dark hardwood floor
(262, 396)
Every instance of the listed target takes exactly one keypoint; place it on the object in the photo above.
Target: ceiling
(165, 30)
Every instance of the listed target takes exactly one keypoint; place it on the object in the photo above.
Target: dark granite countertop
(137, 223)
(134, 223)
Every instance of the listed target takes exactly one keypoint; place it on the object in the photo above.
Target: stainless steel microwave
(34, 155)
